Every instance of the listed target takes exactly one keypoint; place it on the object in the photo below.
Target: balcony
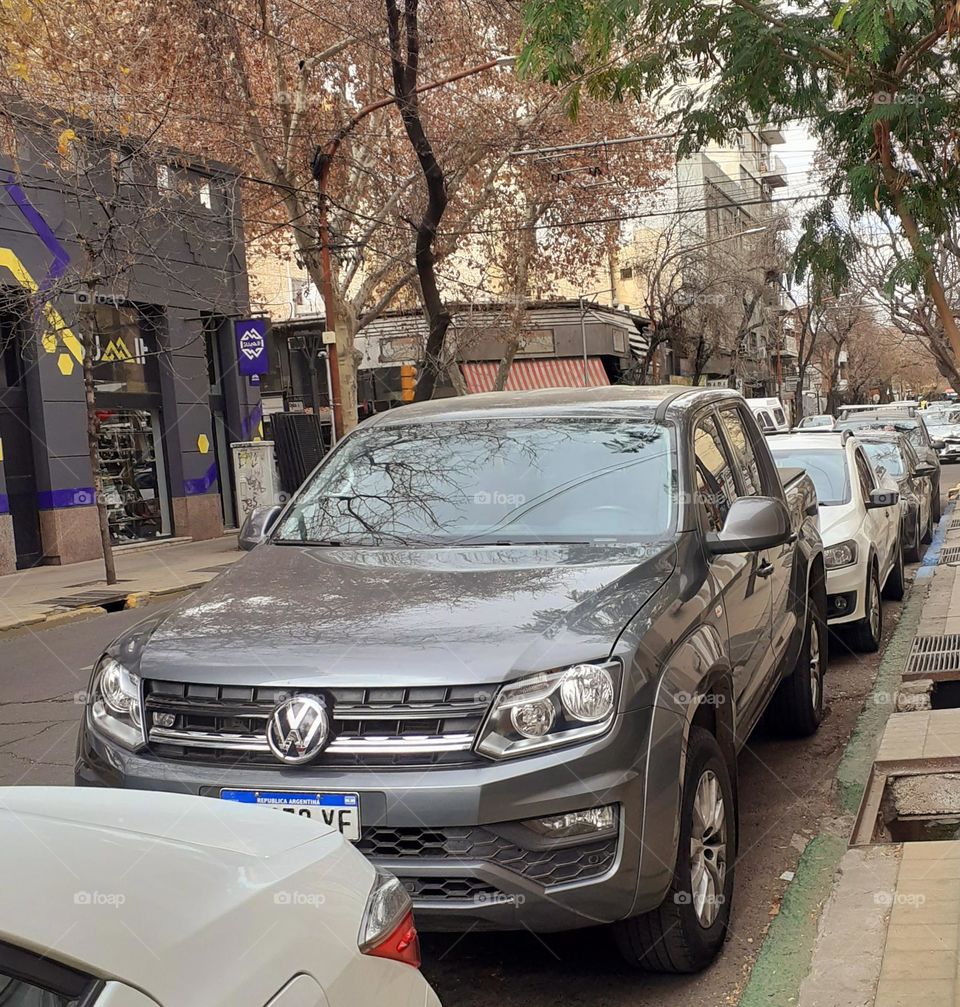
(771, 134)
(773, 171)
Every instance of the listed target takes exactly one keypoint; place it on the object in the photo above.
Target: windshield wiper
(328, 542)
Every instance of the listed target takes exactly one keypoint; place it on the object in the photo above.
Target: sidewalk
(51, 593)
(872, 918)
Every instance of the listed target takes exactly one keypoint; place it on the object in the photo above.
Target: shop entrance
(15, 437)
(128, 402)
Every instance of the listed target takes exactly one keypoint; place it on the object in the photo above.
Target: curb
(136, 599)
(787, 949)
(785, 955)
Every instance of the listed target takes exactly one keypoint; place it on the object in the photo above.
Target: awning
(526, 375)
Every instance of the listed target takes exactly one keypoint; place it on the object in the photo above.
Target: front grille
(450, 889)
(383, 726)
(552, 866)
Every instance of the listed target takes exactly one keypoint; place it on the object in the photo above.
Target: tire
(677, 936)
(928, 531)
(915, 553)
(896, 585)
(936, 503)
(797, 706)
(867, 632)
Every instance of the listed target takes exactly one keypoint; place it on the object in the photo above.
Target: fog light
(576, 823)
(840, 603)
(534, 719)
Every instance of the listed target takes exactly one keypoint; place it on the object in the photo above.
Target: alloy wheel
(816, 677)
(708, 849)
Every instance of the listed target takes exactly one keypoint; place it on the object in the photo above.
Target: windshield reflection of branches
(469, 481)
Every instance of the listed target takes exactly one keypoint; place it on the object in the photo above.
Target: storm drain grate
(954, 524)
(934, 656)
(950, 555)
(104, 599)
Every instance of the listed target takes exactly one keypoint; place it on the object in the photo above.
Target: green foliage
(853, 72)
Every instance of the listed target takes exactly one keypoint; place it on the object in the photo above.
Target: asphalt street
(785, 788)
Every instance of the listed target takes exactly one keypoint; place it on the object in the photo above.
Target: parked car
(520, 637)
(820, 421)
(770, 414)
(860, 526)
(943, 426)
(893, 456)
(916, 432)
(135, 899)
(902, 407)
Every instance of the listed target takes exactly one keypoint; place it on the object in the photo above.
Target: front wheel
(867, 632)
(915, 553)
(685, 932)
(797, 706)
(936, 502)
(896, 585)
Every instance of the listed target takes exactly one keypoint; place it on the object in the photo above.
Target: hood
(286, 615)
(838, 522)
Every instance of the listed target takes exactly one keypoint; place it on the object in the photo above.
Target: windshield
(942, 417)
(827, 469)
(489, 482)
(885, 454)
(911, 428)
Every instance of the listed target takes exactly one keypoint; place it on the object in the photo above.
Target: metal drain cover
(949, 555)
(103, 598)
(936, 657)
(954, 524)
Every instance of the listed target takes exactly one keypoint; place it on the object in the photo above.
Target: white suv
(860, 517)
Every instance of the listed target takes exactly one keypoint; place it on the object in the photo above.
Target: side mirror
(925, 469)
(753, 524)
(256, 526)
(938, 445)
(882, 498)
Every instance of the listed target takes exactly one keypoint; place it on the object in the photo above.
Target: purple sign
(251, 336)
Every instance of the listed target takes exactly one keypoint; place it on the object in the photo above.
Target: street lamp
(322, 161)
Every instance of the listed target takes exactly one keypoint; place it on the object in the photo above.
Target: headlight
(550, 709)
(844, 554)
(115, 703)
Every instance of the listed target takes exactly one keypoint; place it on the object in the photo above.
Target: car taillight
(388, 930)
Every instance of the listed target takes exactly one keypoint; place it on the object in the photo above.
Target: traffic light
(408, 382)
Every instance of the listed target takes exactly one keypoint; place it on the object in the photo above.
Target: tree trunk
(93, 446)
(798, 394)
(405, 66)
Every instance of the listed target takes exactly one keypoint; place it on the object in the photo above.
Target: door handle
(765, 569)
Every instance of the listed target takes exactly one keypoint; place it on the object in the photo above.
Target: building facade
(139, 261)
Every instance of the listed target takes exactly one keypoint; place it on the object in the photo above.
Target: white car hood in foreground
(161, 890)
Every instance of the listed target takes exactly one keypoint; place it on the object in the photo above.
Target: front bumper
(845, 594)
(949, 453)
(454, 834)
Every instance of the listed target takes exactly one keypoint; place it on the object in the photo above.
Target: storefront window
(131, 484)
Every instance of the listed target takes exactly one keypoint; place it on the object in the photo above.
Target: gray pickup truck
(510, 645)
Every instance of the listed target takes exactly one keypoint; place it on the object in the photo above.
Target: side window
(29, 980)
(743, 449)
(779, 417)
(716, 487)
(865, 475)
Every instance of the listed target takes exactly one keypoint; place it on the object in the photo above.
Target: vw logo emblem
(298, 729)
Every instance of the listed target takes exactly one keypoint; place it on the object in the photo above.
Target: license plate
(341, 811)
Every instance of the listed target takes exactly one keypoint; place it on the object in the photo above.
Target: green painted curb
(785, 956)
(857, 759)
(787, 949)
